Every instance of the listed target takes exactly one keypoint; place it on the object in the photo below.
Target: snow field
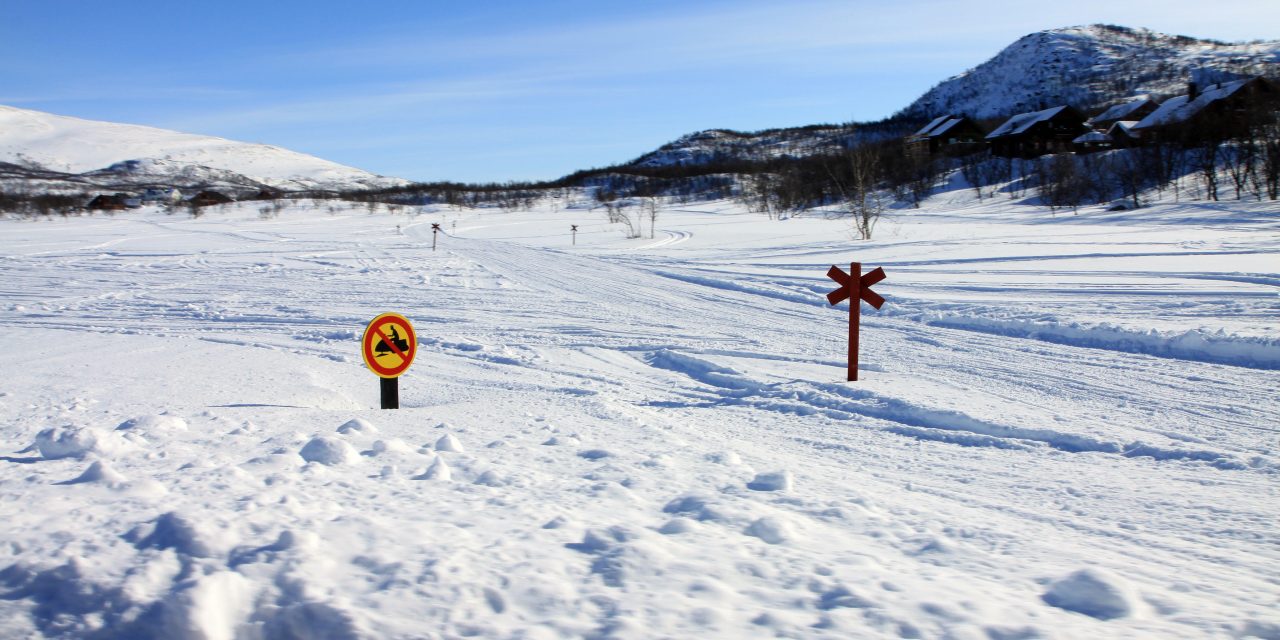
(643, 438)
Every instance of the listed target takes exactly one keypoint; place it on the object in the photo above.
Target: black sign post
(435, 228)
(574, 228)
(390, 393)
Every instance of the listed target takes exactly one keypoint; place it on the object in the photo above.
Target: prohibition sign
(389, 345)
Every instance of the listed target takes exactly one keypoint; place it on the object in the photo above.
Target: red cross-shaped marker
(855, 288)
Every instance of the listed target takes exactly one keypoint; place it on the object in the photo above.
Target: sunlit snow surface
(1066, 426)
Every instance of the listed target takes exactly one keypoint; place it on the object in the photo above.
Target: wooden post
(390, 393)
(856, 288)
(855, 315)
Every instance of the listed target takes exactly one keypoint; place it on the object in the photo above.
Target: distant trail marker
(574, 229)
(435, 228)
(388, 347)
(855, 288)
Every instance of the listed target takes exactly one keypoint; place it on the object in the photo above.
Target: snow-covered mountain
(52, 152)
(723, 145)
(1090, 67)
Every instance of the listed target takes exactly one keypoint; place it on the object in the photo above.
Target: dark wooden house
(106, 202)
(1030, 135)
(949, 134)
(1123, 136)
(207, 198)
(1219, 108)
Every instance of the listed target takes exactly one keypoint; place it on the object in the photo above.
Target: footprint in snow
(772, 481)
(1093, 592)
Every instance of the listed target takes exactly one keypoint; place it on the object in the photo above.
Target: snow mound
(153, 424)
(391, 446)
(357, 425)
(449, 443)
(100, 473)
(437, 471)
(771, 530)
(678, 525)
(1093, 592)
(70, 441)
(181, 533)
(328, 451)
(559, 441)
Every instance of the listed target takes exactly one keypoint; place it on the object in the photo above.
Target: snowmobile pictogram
(382, 349)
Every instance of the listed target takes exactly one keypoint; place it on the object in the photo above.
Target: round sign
(389, 345)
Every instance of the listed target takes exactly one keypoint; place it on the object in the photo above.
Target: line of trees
(1233, 154)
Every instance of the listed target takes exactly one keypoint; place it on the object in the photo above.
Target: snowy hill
(60, 152)
(1089, 67)
(722, 145)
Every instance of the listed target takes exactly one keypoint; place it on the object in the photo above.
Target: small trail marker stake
(388, 347)
(435, 228)
(856, 287)
(574, 229)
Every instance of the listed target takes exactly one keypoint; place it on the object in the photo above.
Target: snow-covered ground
(1066, 426)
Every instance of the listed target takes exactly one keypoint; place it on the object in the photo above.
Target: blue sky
(495, 91)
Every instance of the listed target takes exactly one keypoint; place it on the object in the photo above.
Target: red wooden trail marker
(855, 288)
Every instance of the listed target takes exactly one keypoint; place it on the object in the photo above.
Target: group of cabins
(1065, 129)
(123, 201)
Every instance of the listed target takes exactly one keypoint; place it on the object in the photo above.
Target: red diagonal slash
(387, 341)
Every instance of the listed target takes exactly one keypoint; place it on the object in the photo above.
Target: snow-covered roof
(1180, 108)
(928, 128)
(1092, 136)
(1023, 121)
(1122, 111)
(1124, 126)
(945, 127)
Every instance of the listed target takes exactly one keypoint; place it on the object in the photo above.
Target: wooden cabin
(104, 202)
(950, 135)
(207, 198)
(1220, 108)
(1031, 135)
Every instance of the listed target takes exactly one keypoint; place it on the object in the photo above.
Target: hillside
(49, 152)
(1088, 67)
